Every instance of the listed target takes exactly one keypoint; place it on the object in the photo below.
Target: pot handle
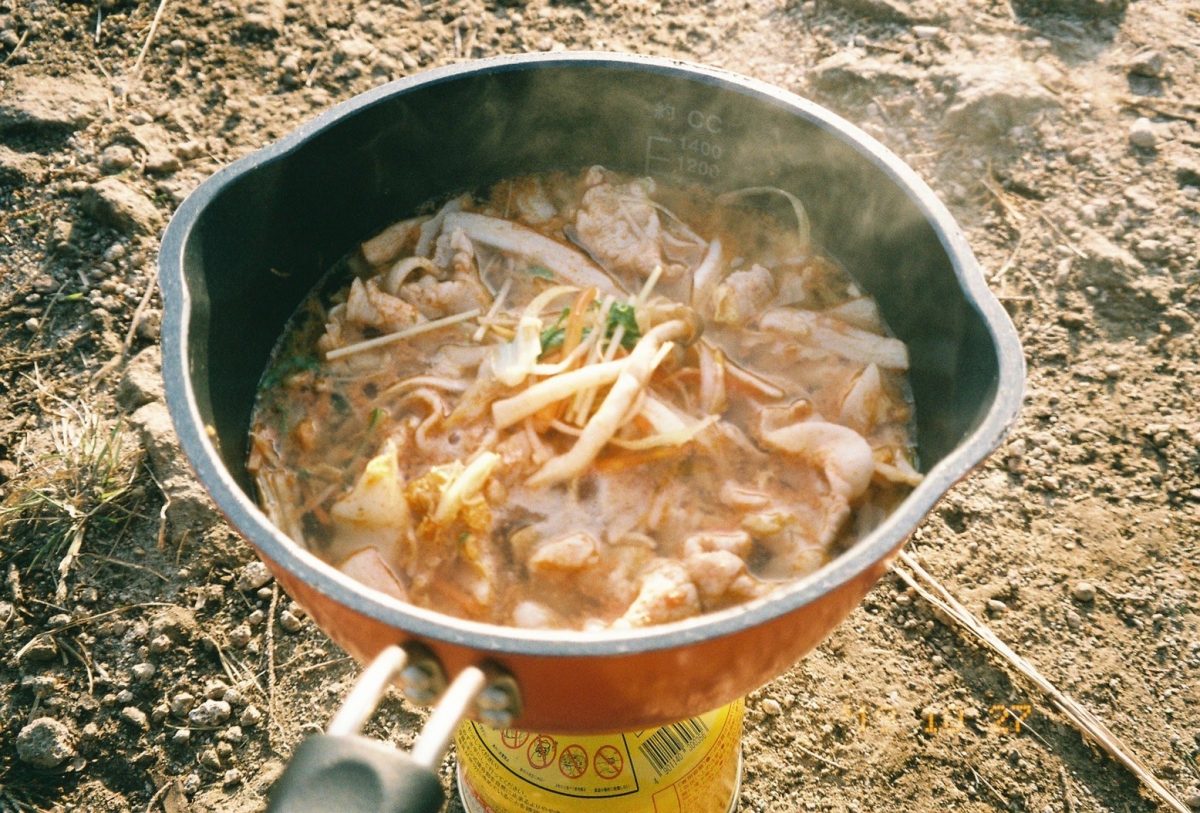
(345, 772)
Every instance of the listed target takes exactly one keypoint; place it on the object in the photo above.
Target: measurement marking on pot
(696, 152)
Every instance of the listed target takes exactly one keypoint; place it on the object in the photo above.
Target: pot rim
(498, 640)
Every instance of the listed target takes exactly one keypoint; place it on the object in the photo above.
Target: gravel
(1149, 63)
(1142, 135)
(1083, 592)
(182, 703)
(252, 577)
(45, 743)
(135, 717)
(210, 713)
(40, 650)
(289, 621)
(115, 158)
(250, 716)
(115, 203)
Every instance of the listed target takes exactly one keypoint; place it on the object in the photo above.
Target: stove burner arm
(343, 771)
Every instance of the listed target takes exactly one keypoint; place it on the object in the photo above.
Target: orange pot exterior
(593, 695)
(298, 203)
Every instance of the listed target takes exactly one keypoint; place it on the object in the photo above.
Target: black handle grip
(329, 774)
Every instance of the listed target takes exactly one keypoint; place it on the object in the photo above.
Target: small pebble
(995, 606)
(239, 636)
(235, 696)
(189, 150)
(210, 714)
(232, 734)
(124, 697)
(252, 577)
(1142, 135)
(31, 324)
(250, 716)
(135, 717)
(770, 707)
(182, 736)
(1083, 592)
(354, 49)
(42, 685)
(233, 777)
(215, 689)
(143, 671)
(176, 47)
(45, 743)
(161, 162)
(209, 759)
(1112, 370)
(115, 158)
(182, 703)
(289, 621)
(160, 644)
(160, 713)
(191, 783)
(1148, 63)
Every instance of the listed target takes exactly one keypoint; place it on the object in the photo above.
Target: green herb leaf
(552, 337)
(623, 314)
(540, 272)
(377, 415)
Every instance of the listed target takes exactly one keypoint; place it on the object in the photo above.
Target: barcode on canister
(667, 746)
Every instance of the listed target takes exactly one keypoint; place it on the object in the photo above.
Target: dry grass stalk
(127, 344)
(1083, 720)
(17, 47)
(137, 66)
(273, 726)
(86, 479)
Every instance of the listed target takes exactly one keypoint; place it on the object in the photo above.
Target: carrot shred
(573, 332)
(624, 461)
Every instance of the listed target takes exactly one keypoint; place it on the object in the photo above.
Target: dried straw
(1083, 720)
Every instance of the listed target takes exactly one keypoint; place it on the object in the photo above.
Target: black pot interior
(268, 234)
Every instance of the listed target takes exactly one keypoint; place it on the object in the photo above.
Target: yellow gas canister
(690, 766)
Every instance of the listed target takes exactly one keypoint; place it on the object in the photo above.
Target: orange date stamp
(999, 718)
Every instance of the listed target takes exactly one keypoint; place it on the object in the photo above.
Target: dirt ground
(1061, 133)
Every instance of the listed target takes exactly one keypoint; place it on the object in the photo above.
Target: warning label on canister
(692, 765)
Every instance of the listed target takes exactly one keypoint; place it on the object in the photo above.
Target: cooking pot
(247, 246)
